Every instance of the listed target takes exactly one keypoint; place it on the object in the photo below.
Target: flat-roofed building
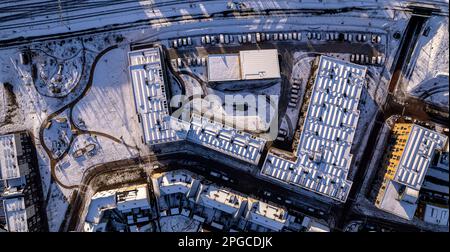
(224, 139)
(129, 205)
(323, 154)
(268, 216)
(173, 182)
(151, 101)
(133, 197)
(223, 67)
(21, 217)
(22, 194)
(259, 64)
(12, 165)
(247, 65)
(222, 199)
(217, 208)
(406, 162)
(436, 215)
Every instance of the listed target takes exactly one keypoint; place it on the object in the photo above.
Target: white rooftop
(223, 67)
(9, 167)
(259, 64)
(393, 203)
(323, 153)
(175, 182)
(150, 98)
(124, 199)
(221, 199)
(159, 127)
(268, 216)
(247, 65)
(15, 214)
(401, 194)
(417, 155)
(101, 201)
(225, 139)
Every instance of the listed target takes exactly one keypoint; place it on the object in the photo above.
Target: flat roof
(9, 166)
(247, 65)
(221, 199)
(175, 182)
(323, 153)
(436, 215)
(259, 64)
(149, 91)
(223, 67)
(123, 199)
(16, 214)
(417, 155)
(159, 127)
(225, 139)
(132, 197)
(391, 203)
(267, 215)
(99, 202)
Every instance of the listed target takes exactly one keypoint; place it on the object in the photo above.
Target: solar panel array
(323, 153)
(417, 155)
(150, 96)
(225, 139)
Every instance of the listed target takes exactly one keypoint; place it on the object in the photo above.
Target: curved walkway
(74, 127)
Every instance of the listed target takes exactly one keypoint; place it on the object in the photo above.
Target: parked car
(215, 174)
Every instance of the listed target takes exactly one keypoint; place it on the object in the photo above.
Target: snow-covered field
(178, 223)
(427, 78)
(70, 169)
(109, 105)
(101, 15)
(57, 206)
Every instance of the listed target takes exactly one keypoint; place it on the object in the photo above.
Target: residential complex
(211, 207)
(409, 154)
(123, 209)
(323, 153)
(22, 194)
(224, 116)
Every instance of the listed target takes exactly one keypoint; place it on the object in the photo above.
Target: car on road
(266, 193)
(215, 174)
(288, 201)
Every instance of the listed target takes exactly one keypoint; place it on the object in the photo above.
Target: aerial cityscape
(224, 116)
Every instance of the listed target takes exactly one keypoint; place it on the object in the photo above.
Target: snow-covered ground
(100, 14)
(427, 77)
(57, 74)
(57, 206)
(70, 169)
(109, 105)
(178, 223)
(301, 71)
